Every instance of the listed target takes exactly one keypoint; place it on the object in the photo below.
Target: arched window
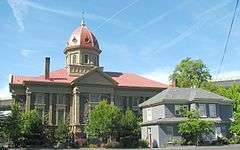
(74, 59)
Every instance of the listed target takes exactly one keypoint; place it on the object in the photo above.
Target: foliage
(103, 121)
(62, 134)
(189, 73)
(142, 144)
(193, 127)
(13, 128)
(32, 128)
(235, 126)
(130, 129)
(112, 144)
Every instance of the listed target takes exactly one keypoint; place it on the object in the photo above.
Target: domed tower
(82, 51)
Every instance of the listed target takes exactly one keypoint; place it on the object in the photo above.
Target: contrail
(115, 14)
(158, 18)
(203, 18)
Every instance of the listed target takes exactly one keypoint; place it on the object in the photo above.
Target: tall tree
(190, 73)
(130, 129)
(103, 121)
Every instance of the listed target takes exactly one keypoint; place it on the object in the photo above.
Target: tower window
(86, 59)
(74, 59)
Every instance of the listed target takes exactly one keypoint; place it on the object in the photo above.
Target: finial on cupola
(83, 18)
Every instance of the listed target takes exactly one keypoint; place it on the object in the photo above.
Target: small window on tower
(86, 59)
(74, 40)
(74, 59)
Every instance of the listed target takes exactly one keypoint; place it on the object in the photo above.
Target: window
(130, 101)
(95, 97)
(135, 101)
(212, 110)
(61, 99)
(40, 111)
(179, 109)
(39, 98)
(149, 114)
(169, 131)
(74, 59)
(60, 115)
(86, 59)
(202, 110)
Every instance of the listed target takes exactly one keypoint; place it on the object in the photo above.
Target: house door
(149, 136)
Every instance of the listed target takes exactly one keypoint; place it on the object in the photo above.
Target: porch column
(28, 100)
(76, 105)
(50, 117)
(112, 99)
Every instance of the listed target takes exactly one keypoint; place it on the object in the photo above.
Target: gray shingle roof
(184, 95)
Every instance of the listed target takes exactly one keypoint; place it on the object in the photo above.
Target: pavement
(225, 147)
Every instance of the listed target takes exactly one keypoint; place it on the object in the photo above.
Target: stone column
(76, 107)
(28, 100)
(50, 110)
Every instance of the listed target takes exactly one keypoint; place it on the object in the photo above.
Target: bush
(113, 144)
(62, 134)
(143, 144)
(92, 146)
(32, 128)
(234, 140)
(222, 141)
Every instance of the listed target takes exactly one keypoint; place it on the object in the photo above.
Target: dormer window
(74, 40)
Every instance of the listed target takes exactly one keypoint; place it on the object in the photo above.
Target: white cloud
(227, 75)
(27, 52)
(4, 92)
(19, 9)
(160, 75)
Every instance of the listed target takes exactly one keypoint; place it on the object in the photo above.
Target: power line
(115, 14)
(228, 37)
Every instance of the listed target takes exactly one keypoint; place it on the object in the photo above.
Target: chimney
(47, 67)
(174, 82)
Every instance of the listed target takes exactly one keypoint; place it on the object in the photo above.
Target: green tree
(32, 128)
(193, 127)
(190, 73)
(103, 121)
(130, 132)
(13, 128)
(62, 134)
(235, 126)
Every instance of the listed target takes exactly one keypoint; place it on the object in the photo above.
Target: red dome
(82, 36)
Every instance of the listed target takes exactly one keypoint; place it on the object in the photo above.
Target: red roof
(123, 79)
(82, 36)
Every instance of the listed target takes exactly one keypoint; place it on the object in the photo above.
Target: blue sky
(140, 36)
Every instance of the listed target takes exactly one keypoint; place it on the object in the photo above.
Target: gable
(95, 77)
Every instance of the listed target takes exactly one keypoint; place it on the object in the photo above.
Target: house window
(60, 115)
(212, 110)
(40, 111)
(39, 98)
(61, 99)
(169, 131)
(179, 109)
(86, 59)
(202, 110)
(149, 114)
(95, 97)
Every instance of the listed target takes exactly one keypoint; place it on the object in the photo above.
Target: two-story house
(162, 113)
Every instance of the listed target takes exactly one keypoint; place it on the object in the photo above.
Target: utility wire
(115, 14)
(228, 37)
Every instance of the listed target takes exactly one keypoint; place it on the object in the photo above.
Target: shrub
(62, 134)
(143, 144)
(234, 140)
(32, 128)
(92, 146)
(112, 144)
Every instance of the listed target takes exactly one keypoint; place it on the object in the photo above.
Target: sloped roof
(61, 76)
(184, 95)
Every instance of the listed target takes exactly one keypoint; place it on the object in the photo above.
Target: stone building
(71, 92)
